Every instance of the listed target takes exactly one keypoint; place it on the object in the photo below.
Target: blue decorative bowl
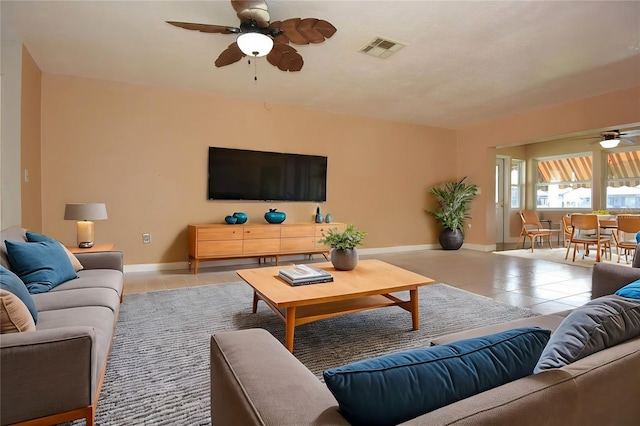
(242, 217)
(272, 216)
(231, 220)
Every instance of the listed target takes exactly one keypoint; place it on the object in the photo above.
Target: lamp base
(85, 244)
(85, 234)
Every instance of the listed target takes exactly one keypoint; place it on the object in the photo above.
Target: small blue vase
(242, 217)
(328, 218)
(231, 220)
(318, 215)
(275, 217)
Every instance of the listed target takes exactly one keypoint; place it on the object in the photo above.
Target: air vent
(382, 48)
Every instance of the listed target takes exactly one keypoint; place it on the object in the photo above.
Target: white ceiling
(466, 62)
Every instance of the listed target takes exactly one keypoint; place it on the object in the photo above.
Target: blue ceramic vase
(242, 217)
(231, 220)
(318, 215)
(273, 216)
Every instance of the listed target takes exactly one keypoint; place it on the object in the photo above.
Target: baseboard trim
(152, 267)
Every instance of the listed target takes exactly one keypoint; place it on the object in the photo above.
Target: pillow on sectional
(41, 266)
(631, 290)
(13, 284)
(397, 387)
(14, 315)
(597, 325)
(34, 237)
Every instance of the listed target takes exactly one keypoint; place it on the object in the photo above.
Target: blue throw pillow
(630, 290)
(41, 266)
(394, 388)
(638, 237)
(13, 284)
(602, 323)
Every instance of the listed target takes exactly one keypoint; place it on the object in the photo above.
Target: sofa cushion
(597, 325)
(34, 237)
(77, 298)
(631, 290)
(41, 266)
(14, 315)
(14, 233)
(95, 278)
(394, 388)
(13, 284)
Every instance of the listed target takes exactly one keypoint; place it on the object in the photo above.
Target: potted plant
(453, 199)
(344, 255)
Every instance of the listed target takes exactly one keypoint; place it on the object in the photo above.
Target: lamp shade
(85, 211)
(255, 44)
(609, 143)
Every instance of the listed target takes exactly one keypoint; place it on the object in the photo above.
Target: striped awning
(623, 168)
(565, 170)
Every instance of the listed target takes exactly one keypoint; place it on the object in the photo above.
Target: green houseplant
(344, 255)
(453, 200)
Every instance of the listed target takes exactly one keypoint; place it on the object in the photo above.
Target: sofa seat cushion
(101, 319)
(76, 298)
(95, 278)
(602, 323)
(14, 315)
(397, 387)
(41, 266)
(548, 322)
(13, 284)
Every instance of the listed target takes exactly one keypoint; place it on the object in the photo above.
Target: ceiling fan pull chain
(255, 72)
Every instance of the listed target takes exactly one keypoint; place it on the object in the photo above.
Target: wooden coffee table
(368, 286)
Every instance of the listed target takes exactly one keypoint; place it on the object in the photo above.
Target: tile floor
(543, 286)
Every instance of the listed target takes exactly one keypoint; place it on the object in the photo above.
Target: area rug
(557, 255)
(158, 370)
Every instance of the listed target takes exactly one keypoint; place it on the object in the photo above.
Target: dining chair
(532, 228)
(586, 231)
(566, 230)
(628, 227)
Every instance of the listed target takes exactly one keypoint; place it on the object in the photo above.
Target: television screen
(238, 174)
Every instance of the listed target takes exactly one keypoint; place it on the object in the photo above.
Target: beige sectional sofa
(54, 374)
(256, 381)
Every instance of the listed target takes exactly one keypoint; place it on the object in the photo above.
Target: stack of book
(305, 274)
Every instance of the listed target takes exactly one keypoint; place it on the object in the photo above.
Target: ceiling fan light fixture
(609, 143)
(255, 44)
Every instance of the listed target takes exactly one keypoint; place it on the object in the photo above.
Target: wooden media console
(221, 241)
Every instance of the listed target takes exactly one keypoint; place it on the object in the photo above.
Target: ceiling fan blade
(230, 55)
(280, 38)
(205, 28)
(256, 10)
(285, 57)
(305, 31)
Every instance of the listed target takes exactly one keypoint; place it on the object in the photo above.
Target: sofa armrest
(256, 381)
(607, 278)
(102, 260)
(46, 372)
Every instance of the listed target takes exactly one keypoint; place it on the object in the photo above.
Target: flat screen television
(239, 174)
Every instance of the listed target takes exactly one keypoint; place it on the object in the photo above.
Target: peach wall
(476, 144)
(143, 151)
(31, 199)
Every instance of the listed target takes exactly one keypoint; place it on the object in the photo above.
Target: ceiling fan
(258, 36)
(612, 138)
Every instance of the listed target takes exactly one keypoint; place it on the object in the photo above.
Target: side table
(95, 248)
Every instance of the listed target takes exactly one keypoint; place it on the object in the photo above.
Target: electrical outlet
(146, 238)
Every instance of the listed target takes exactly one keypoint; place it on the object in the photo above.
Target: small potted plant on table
(344, 255)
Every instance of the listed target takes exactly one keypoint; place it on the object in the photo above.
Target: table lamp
(85, 213)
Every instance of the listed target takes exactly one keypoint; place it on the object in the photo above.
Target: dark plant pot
(451, 239)
(344, 260)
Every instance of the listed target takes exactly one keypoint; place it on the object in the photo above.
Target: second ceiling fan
(258, 36)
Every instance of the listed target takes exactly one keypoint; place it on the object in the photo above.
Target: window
(564, 182)
(517, 184)
(623, 180)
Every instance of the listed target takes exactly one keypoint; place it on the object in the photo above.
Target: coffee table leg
(291, 327)
(255, 302)
(413, 294)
